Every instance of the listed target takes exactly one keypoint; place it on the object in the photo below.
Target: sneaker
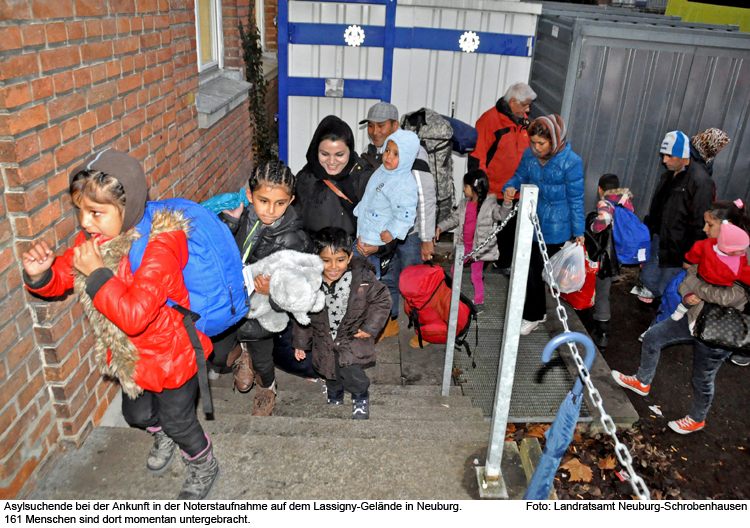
(529, 326)
(264, 401)
(361, 408)
(479, 307)
(640, 337)
(162, 453)
(203, 470)
(335, 397)
(686, 425)
(630, 382)
(391, 329)
(740, 361)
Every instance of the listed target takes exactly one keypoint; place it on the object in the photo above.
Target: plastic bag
(586, 296)
(229, 201)
(568, 268)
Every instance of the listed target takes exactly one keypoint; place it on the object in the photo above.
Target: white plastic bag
(568, 268)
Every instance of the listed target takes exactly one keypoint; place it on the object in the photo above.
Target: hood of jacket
(621, 196)
(109, 339)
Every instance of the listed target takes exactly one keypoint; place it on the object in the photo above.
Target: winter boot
(203, 470)
(162, 452)
(242, 368)
(600, 335)
(391, 329)
(361, 406)
(264, 399)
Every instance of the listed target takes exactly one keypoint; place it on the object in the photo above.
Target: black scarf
(503, 107)
(332, 125)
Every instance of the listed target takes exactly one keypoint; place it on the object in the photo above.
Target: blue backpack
(670, 298)
(464, 137)
(632, 238)
(213, 274)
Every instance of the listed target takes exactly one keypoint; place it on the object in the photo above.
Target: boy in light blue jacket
(388, 208)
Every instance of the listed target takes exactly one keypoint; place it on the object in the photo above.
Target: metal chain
(499, 228)
(623, 455)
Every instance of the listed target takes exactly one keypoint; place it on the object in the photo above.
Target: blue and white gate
(340, 57)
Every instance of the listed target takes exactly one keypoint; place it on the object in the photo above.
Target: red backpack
(426, 290)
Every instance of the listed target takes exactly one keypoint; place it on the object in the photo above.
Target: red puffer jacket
(500, 144)
(163, 357)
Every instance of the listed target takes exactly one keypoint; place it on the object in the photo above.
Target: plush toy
(295, 288)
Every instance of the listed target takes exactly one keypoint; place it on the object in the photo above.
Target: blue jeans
(706, 363)
(654, 278)
(372, 258)
(408, 253)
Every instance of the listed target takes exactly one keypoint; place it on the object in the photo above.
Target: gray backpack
(435, 135)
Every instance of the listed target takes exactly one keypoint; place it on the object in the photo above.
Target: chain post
(489, 477)
(623, 455)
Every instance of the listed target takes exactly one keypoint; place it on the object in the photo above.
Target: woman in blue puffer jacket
(550, 164)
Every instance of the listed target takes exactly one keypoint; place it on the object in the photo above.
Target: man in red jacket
(502, 138)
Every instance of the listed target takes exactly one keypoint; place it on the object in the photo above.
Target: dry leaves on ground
(578, 472)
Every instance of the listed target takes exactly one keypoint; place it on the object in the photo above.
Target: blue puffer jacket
(560, 183)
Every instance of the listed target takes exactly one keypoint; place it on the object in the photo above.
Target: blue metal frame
(388, 37)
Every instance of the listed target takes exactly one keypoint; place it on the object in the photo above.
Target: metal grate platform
(538, 388)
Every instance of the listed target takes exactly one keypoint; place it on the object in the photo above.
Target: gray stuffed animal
(295, 288)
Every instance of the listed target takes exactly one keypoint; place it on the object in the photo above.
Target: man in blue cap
(675, 220)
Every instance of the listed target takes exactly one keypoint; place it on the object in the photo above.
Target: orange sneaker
(630, 382)
(686, 425)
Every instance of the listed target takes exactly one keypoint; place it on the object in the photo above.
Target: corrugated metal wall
(626, 85)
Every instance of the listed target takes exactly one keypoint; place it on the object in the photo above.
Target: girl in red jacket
(139, 339)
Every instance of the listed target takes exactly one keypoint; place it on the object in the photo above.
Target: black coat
(368, 310)
(318, 206)
(286, 233)
(680, 201)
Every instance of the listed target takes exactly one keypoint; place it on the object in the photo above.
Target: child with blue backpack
(140, 339)
(600, 244)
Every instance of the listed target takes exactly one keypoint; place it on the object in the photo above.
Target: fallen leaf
(578, 472)
(510, 428)
(457, 372)
(578, 438)
(537, 430)
(607, 463)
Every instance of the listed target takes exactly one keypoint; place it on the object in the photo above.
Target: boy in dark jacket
(600, 245)
(342, 336)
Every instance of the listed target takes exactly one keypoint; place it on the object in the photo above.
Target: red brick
(109, 26)
(70, 151)
(63, 82)
(133, 119)
(10, 38)
(93, 28)
(120, 7)
(14, 10)
(57, 184)
(76, 30)
(84, 415)
(129, 83)
(104, 134)
(136, 24)
(118, 107)
(33, 35)
(33, 171)
(70, 128)
(126, 45)
(9, 437)
(41, 425)
(139, 61)
(23, 474)
(152, 75)
(98, 72)
(68, 104)
(49, 137)
(99, 50)
(21, 202)
(11, 385)
(65, 227)
(20, 352)
(42, 88)
(7, 417)
(123, 25)
(147, 6)
(6, 231)
(113, 69)
(15, 95)
(27, 147)
(9, 334)
(26, 119)
(59, 58)
(82, 77)
(103, 114)
(33, 225)
(87, 120)
(90, 8)
(127, 64)
(18, 66)
(56, 9)
(56, 32)
(102, 92)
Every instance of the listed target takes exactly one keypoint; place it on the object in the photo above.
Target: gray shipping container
(621, 85)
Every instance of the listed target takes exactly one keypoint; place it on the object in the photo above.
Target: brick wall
(77, 76)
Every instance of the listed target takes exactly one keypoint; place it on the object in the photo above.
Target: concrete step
(111, 465)
(346, 429)
(378, 397)
(242, 404)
